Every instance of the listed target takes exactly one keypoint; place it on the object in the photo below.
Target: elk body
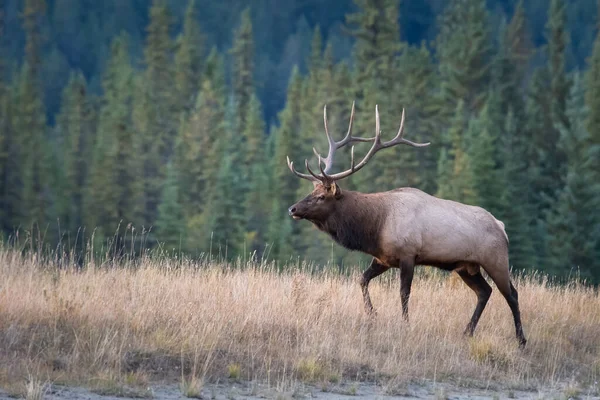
(406, 227)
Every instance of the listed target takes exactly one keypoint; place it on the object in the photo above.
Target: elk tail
(501, 225)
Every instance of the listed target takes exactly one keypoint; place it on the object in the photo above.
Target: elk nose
(291, 210)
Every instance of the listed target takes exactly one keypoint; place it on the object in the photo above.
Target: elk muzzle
(292, 211)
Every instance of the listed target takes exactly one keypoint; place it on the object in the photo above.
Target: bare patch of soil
(297, 390)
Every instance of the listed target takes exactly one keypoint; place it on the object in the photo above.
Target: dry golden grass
(113, 327)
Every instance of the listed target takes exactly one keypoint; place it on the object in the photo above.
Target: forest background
(133, 124)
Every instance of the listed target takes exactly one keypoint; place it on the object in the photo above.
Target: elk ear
(335, 190)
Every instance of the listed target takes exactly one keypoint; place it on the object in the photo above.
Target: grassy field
(120, 328)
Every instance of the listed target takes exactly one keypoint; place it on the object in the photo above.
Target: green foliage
(417, 168)
(456, 181)
(175, 142)
(285, 184)
(30, 122)
(558, 40)
(225, 212)
(242, 52)
(592, 94)
(214, 68)
(188, 58)
(76, 124)
(515, 198)
(483, 145)
(6, 138)
(255, 175)
(376, 31)
(115, 159)
(170, 226)
(463, 47)
(200, 147)
(157, 122)
(33, 13)
(574, 222)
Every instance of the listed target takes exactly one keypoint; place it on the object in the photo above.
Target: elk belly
(471, 268)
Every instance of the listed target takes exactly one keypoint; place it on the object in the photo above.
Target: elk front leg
(374, 270)
(407, 270)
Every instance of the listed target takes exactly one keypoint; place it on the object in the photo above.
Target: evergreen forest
(165, 124)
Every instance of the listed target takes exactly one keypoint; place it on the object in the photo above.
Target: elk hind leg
(501, 278)
(471, 275)
(374, 270)
(407, 270)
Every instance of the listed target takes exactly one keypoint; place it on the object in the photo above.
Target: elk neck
(356, 222)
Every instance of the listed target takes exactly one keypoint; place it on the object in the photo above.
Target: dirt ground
(356, 390)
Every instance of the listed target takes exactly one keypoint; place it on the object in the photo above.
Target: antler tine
(299, 174)
(333, 145)
(377, 126)
(326, 176)
(377, 145)
(317, 177)
(399, 139)
(349, 133)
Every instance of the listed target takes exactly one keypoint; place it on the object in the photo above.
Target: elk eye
(321, 197)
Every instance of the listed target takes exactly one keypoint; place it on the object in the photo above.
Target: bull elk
(405, 227)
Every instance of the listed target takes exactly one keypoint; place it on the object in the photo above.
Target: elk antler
(325, 177)
(333, 145)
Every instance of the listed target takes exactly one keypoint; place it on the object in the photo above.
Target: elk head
(323, 200)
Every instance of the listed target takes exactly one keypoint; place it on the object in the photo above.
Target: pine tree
(200, 150)
(116, 162)
(316, 60)
(463, 48)
(516, 199)
(456, 180)
(537, 156)
(224, 213)
(285, 184)
(316, 92)
(157, 121)
(257, 197)
(33, 14)
(214, 68)
(376, 31)
(170, 226)
(242, 53)
(510, 63)
(100, 217)
(419, 81)
(558, 41)
(516, 209)
(592, 94)
(76, 125)
(377, 46)
(550, 90)
(188, 58)
(574, 223)
(30, 123)
(546, 115)
(5, 143)
(482, 137)
(517, 39)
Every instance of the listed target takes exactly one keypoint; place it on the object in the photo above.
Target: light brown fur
(407, 227)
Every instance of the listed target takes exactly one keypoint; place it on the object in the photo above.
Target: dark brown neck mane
(356, 222)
